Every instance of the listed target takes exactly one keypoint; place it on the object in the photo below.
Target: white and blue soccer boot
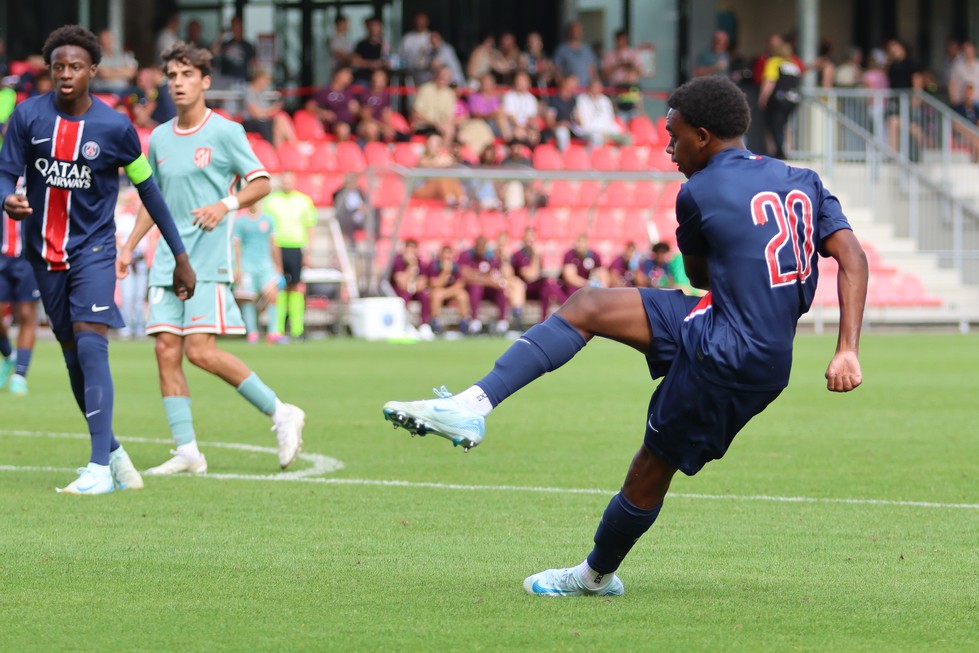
(565, 582)
(123, 471)
(18, 386)
(7, 366)
(92, 479)
(445, 416)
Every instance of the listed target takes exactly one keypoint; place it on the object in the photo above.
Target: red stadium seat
(618, 194)
(399, 123)
(492, 224)
(577, 223)
(312, 185)
(576, 158)
(308, 126)
(547, 157)
(563, 193)
(588, 193)
(378, 155)
(406, 154)
(295, 155)
(644, 131)
(440, 225)
(224, 113)
(350, 158)
(660, 160)
(608, 225)
(632, 158)
(551, 224)
(390, 191)
(267, 155)
(517, 222)
(323, 158)
(605, 158)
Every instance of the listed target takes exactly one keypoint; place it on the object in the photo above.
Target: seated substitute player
(723, 357)
(18, 289)
(481, 273)
(72, 146)
(409, 278)
(527, 265)
(258, 272)
(447, 285)
(582, 267)
(197, 156)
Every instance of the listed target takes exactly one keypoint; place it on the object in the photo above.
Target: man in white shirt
(521, 110)
(596, 116)
(965, 71)
(416, 50)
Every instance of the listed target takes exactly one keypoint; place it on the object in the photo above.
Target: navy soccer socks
(93, 359)
(544, 348)
(622, 525)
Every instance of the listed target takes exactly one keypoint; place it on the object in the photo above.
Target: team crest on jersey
(90, 150)
(202, 156)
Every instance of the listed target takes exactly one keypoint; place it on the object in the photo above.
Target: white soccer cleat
(289, 433)
(179, 464)
(123, 471)
(565, 582)
(92, 479)
(445, 416)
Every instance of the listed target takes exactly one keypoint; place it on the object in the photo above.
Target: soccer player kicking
(197, 157)
(70, 146)
(18, 289)
(749, 231)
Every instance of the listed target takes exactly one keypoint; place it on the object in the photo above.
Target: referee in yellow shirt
(294, 217)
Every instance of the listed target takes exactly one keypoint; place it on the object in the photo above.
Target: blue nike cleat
(564, 582)
(92, 479)
(444, 416)
(7, 367)
(18, 386)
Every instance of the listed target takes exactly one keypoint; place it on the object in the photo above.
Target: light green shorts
(254, 282)
(212, 309)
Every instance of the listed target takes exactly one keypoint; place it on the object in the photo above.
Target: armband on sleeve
(139, 170)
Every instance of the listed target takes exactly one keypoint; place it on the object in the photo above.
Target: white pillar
(808, 19)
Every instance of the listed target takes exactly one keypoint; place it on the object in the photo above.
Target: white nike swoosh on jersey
(38, 141)
(99, 309)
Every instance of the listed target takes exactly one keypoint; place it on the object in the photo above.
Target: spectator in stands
(715, 60)
(236, 56)
(416, 51)
(339, 43)
(968, 108)
(779, 96)
(560, 114)
(902, 74)
(481, 273)
(447, 190)
(117, 70)
(42, 83)
(875, 75)
(444, 55)
(482, 60)
(623, 64)
(353, 212)
(575, 57)
(434, 109)
(623, 272)
(264, 116)
(528, 265)
(485, 104)
(824, 65)
(151, 104)
(517, 194)
(167, 35)
(596, 116)
(486, 192)
(849, 74)
(409, 278)
(194, 37)
(582, 267)
(965, 70)
(663, 269)
(376, 116)
(536, 63)
(336, 105)
(508, 63)
(953, 49)
(521, 111)
(447, 287)
(371, 52)
(515, 288)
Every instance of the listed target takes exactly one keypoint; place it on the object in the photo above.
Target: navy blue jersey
(760, 224)
(71, 165)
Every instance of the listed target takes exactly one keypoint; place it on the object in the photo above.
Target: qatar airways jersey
(71, 169)
(760, 224)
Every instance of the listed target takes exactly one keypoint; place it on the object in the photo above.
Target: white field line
(325, 464)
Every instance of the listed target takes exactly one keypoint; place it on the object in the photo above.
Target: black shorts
(292, 264)
(690, 420)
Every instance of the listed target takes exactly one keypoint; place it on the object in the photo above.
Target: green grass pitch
(835, 523)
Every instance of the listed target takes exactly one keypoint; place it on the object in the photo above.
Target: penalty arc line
(326, 465)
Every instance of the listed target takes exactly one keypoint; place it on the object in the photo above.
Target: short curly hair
(73, 35)
(189, 55)
(714, 103)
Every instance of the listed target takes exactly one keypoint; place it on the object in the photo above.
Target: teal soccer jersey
(195, 168)
(255, 236)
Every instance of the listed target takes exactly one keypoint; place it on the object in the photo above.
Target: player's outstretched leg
(461, 418)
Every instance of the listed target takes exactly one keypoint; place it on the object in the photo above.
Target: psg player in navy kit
(70, 146)
(749, 231)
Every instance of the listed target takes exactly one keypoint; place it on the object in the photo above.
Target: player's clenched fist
(17, 206)
(843, 373)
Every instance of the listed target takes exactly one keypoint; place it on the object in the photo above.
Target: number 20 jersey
(760, 224)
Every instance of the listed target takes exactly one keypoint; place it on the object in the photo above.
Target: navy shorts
(690, 420)
(292, 264)
(85, 292)
(17, 282)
